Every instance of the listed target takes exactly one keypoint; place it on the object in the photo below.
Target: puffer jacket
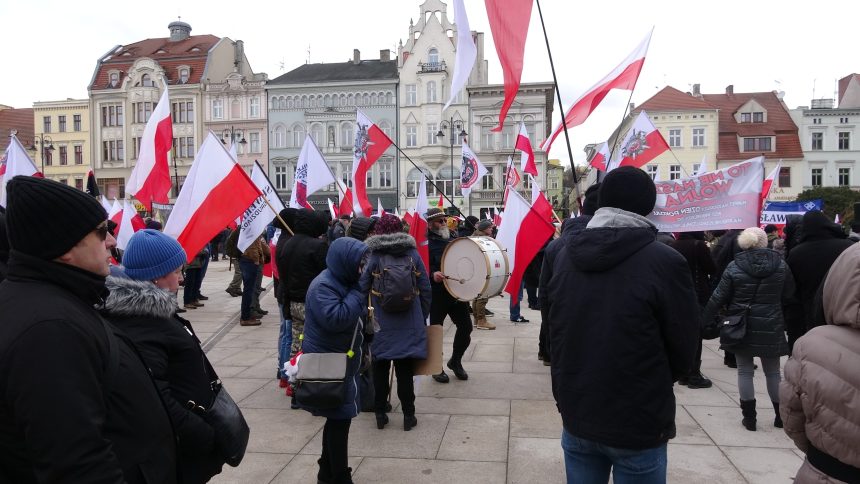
(306, 254)
(820, 395)
(765, 333)
(403, 334)
(337, 305)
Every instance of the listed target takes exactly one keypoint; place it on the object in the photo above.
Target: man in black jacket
(77, 404)
(623, 323)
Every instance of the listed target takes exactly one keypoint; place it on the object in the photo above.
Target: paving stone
(269, 395)
(535, 461)
(225, 371)
(304, 468)
(266, 368)
(699, 463)
(476, 438)
(255, 467)
(765, 466)
(535, 418)
(723, 426)
(502, 353)
(492, 385)
(702, 396)
(486, 367)
(462, 406)
(281, 431)
(240, 388)
(423, 471)
(246, 357)
(688, 430)
(525, 357)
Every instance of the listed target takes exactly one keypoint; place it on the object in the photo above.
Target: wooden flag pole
(277, 215)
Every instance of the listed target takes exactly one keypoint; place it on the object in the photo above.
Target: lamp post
(452, 127)
(233, 134)
(45, 144)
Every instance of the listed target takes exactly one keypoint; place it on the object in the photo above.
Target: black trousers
(444, 304)
(405, 370)
(334, 466)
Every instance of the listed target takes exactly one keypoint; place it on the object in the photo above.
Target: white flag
(703, 166)
(259, 214)
(312, 174)
(379, 210)
(331, 209)
(535, 188)
(471, 170)
(466, 52)
(17, 162)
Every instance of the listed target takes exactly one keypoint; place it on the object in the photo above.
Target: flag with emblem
(370, 143)
(471, 170)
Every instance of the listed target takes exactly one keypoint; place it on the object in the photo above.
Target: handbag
(321, 378)
(226, 419)
(733, 328)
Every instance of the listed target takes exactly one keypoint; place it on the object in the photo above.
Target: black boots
(409, 421)
(749, 413)
(697, 380)
(442, 377)
(777, 421)
(455, 366)
(381, 420)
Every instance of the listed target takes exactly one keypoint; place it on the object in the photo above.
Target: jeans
(515, 305)
(285, 340)
(588, 462)
(258, 288)
(770, 366)
(249, 275)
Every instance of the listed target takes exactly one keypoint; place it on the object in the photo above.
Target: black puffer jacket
(280, 256)
(761, 279)
(570, 227)
(699, 260)
(305, 254)
(172, 351)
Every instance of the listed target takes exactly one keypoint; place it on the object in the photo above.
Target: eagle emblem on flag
(362, 141)
(635, 145)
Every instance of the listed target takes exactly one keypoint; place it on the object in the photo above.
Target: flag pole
(277, 215)
(561, 108)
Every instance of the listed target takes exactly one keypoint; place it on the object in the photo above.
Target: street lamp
(233, 134)
(45, 145)
(452, 126)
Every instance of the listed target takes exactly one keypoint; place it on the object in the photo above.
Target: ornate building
(65, 126)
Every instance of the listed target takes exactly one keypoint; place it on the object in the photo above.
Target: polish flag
(150, 180)
(332, 209)
(471, 170)
(768, 183)
(17, 163)
(312, 174)
(523, 231)
(345, 199)
(130, 223)
(105, 204)
(624, 77)
(115, 212)
(408, 218)
(380, 212)
(418, 226)
(509, 22)
(512, 179)
(601, 156)
(642, 143)
(527, 155)
(370, 144)
(703, 166)
(216, 191)
(260, 213)
(497, 218)
(535, 189)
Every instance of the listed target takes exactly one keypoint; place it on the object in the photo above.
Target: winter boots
(777, 421)
(381, 420)
(409, 421)
(457, 367)
(749, 413)
(484, 324)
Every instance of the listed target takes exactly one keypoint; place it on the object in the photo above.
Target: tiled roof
(20, 120)
(191, 52)
(671, 99)
(339, 71)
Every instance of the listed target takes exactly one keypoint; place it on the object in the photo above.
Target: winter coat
(279, 256)
(173, 354)
(624, 326)
(335, 306)
(77, 404)
(761, 279)
(701, 265)
(197, 261)
(820, 394)
(570, 227)
(257, 252)
(306, 254)
(402, 334)
(337, 230)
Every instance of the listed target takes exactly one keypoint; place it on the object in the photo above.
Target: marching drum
(475, 267)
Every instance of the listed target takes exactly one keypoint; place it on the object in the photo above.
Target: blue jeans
(514, 305)
(588, 462)
(285, 340)
(249, 285)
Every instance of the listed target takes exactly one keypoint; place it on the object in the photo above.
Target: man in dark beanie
(624, 325)
(77, 404)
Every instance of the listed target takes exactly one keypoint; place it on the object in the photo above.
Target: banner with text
(776, 212)
(717, 200)
(259, 214)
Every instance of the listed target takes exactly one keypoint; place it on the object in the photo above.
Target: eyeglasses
(102, 231)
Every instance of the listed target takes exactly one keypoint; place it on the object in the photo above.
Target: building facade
(18, 122)
(65, 126)
(321, 100)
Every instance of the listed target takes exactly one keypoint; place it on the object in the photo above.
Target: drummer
(484, 228)
(444, 304)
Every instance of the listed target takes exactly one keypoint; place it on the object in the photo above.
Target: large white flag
(312, 174)
(17, 163)
(466, 52)
(130, 223)
(259, 214)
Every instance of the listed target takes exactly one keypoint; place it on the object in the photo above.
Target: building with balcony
(65, 126)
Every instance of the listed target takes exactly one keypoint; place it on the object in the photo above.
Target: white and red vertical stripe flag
(150, 179)
(601, 157)
(512, 179)
(624, 76)
(768, 183)
(703, 166)
(523, 231)
(471, 170)
(130, 223)
(258, 216)
(215, 192)
(467, 52)
(509, 22)
(344, 194)
(418, 226)
(370, 144)
(535, 188)
(17, 163)
(642, 143)
(332, 209)
(527, 154)
(312, 174)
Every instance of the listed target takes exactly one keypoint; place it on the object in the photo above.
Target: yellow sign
(139, 206)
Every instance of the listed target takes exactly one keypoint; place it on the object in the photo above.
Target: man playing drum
(484, 228)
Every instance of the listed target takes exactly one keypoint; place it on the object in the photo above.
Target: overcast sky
(50, 47)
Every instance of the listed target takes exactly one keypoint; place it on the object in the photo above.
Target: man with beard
(444, 304)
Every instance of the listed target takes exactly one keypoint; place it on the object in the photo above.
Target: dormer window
(183, 75)
(758, 117)
(161, 51)
(746, 117)
(145, 80)
(113, 79)
(433, 56)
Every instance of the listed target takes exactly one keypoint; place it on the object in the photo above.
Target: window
(816, 120)
(675, 138)
(217, 109)
(64, 155)
(386, 128)
(79, 184)
(758, 117)
(76, 119)
(183, 147)
(46, 124)
(448, 180)
(486, 138)
(183, 112)
(368, 182)
(756, 144)
(553, 183)
(142, 111)
(298, 136)
(411, 95)
(385, 174)
(785, 177)
(674, 172)
(508, 135)
(746, 117)
(135, 147)
(845, 177)
(487, 181)
(347, 137)
(317, 134)
(652, 171)
(411, 136)
(279, 138)
(530, 130)
(433, 56)
(280, 177)
(113, 150)
(699, 137)
(431, 92)
(843, 120)
(113, 79)
(696, 167)
(64, 181)
(817, 141)
(179, 181)
(79, 155)
(844, 140)
(112, 115)
(346, 174)
(414, 180)
(254, 108)
(183, 75)
(145, 80)
(816, 176)
(254, 142)
(431, 134)
(61, 121)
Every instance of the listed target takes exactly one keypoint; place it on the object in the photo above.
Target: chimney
(179, 31)
(385, 55)
(730, 89)
(238, 53)
(356, 56)
(697, 90)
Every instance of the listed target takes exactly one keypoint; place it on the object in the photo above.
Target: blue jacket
(401, 335)
(333, 307)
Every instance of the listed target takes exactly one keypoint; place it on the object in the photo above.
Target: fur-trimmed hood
(396, 243)
(130, 298)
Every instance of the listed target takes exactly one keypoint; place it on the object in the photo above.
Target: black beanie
(46, 219)
(360, 228)
(629, 189)
(592, 197)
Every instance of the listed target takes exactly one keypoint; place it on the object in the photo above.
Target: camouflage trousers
(297, 313)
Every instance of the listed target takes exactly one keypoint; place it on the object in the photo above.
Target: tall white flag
(17, 162)
(312, 174)
(471, 170)
(466, 52)
(259, 214)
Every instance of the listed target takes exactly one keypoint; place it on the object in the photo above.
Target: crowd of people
(624, 310)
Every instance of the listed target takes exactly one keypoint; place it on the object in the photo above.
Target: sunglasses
(102, 231)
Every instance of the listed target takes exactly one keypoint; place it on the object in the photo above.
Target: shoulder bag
(225, 417)
(321, 377)
(734, 327)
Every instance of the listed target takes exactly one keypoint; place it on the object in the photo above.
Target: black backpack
(395, 285)
(232, 244)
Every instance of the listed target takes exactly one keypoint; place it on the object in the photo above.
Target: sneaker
(520, 320)
(442, 377)
(698, 381)
(202, 298)
(249, 322)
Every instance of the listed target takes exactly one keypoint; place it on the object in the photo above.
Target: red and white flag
(312, 174)
(130, 223)
(332, 209)
(215, 192)
(115, 212)
(768, 183)
(527, 154)
(345, 199)
(370, 144)
(512, 179)
(441, 202)
(105, 203)
(497, 217)
(150, 179)
(703, 166)
(257, 217)
(471, 170)
(535, 189)
(601, 157)
(624, 77)
(380, 212)
(509, 22)
(407, 217)
(523, 231)
(16, 163)
(642, 143)
(418, 226)
(467, 52)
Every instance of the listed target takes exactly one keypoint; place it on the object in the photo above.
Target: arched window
(508, 133)
(290, 103)
(317, 134)
(235, 109)
(431, 92)
(413, 180)
(366, 99)
(351, 99)
(347, 136)
(390, 98)
(374, 99)
(433, 56)
(529, 121)
(274, 102)
(298, 136)
(343, 100)
(145, 80)
(386, 128)
(448, 179)
(279, 138)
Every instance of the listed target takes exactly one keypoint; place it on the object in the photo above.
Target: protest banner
(776, 212)
(717, 200)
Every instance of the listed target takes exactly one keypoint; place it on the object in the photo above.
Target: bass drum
(476, 267)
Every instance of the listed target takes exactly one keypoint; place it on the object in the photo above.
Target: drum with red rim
(475, 267)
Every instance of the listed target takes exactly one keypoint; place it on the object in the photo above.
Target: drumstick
(461, 281)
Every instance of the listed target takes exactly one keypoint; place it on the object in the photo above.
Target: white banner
(258, 215)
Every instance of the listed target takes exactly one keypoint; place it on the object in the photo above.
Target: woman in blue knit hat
(143, 304)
